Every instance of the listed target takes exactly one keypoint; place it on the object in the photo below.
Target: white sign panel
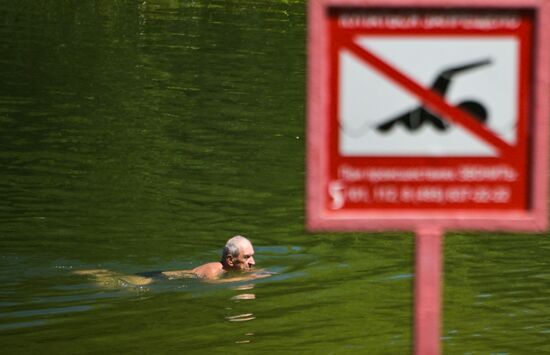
(379, 118)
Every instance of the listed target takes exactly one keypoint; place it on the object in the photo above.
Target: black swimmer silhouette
(414, 119)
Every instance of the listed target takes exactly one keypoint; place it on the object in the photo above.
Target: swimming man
(237, 255)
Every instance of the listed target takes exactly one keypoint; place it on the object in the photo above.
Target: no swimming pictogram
(436, 95)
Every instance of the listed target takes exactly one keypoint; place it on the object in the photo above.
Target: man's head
(238, 254)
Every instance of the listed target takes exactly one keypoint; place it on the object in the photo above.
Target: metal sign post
(426, 116)
(427, 287)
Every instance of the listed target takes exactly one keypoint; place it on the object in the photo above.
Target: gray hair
(233, 247)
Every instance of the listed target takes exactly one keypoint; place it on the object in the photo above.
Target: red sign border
(533, 219)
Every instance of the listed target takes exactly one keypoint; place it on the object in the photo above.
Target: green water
(140, 135)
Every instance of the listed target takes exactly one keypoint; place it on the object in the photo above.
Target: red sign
(426, 115)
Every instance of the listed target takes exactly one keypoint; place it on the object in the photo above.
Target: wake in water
(115, 280)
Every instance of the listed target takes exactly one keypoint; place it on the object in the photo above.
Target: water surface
(140, 135)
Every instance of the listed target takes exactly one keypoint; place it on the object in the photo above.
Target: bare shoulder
(209, 271)
(206, 271)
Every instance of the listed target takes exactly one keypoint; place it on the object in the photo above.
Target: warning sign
(427, 111)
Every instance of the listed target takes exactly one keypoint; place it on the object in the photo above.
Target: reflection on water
(243, 287)
(243, 296)
(241, 317)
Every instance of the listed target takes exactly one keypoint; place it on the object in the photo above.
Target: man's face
(245, 259)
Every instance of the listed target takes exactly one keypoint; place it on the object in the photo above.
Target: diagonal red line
(431, 99)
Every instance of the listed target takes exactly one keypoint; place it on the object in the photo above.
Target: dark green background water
(140, 135)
